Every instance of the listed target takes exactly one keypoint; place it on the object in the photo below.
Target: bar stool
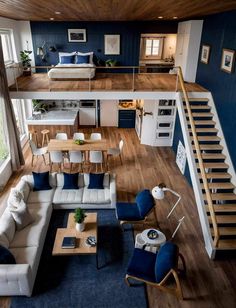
(33, 135)
(45, 133)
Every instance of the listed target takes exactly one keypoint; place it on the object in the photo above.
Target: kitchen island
(55, 121)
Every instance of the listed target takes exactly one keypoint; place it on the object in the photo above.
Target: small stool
(45, 133)
(33, 135)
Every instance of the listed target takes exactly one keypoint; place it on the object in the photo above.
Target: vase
(80, 226)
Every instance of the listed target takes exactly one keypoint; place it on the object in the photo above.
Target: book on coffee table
(68, 242)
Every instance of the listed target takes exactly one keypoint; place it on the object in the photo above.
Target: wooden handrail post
(200, 160)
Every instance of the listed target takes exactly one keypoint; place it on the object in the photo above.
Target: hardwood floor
(207, 283)
(103, 82)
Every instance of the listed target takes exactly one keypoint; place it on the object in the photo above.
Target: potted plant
(111, 62)
(25, 60)
(79, 219)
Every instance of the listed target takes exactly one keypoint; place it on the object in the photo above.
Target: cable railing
(84, 78)
(200, 160)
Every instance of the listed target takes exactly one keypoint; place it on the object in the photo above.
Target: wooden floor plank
(207, 283)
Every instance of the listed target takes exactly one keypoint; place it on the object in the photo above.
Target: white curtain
(17, 159)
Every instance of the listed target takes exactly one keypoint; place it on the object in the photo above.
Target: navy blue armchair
(155, 269)
(138, 211)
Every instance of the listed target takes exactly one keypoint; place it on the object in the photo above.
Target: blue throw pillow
(70, 181)
(96, 181)
(6, 256)
(166, 260)
(67, 59)
(81, 59)
(41, 181)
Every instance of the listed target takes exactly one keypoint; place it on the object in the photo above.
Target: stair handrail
(200, 160)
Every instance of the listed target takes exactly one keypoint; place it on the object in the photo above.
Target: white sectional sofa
(26, 245)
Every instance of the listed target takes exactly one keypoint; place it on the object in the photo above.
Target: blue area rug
(74, 281)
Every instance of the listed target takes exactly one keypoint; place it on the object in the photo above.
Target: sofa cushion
(15, 197)
(106, 180)
(96, 181)
(41, 181)
(41, 196)
(166, 260)
(21, 215)
(70, 181)
(6, 256)
(30, 180)
(24, 188)
(26, 255)
(33, 234)
(7, 228)
(68, 195)
(145, 202)
(60, 180)
(98, 196)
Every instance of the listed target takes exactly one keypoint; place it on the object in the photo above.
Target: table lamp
(158, 192)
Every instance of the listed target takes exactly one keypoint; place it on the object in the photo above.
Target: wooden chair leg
(44, 159)
(43, 140)
(127, 280)
(121, 159)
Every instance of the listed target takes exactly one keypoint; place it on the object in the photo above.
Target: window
(6, 46)
(152, 47)
(19, 111)
(3, 136)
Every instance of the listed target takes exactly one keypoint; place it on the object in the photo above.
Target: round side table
(161, 239)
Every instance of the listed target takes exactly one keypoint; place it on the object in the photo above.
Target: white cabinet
(109, 113)
(187, 48)
(87, 116)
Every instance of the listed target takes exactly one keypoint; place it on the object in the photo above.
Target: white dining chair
(96, 136)
(56, 157)
(61, 136)
(96, 157)
(76, 157)
(116, 151)
(78, 136)
(37, 151)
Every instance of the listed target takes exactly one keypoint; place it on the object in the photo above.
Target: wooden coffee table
(81, 247)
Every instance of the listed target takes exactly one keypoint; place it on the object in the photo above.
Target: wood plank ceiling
(111, 10)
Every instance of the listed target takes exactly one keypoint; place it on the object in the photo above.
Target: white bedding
(67, 71)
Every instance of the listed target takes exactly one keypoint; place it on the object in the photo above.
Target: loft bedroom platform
(102, 82)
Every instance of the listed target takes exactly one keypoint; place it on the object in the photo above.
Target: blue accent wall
(55, 33)
(219, 31)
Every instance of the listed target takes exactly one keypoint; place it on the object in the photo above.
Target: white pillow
(63, 54)
(90, 54)
(24, 188)
(15, 197)
(7, 228)
(21, 215)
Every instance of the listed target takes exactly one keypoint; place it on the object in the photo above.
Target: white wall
(21, 32)
(169, 45)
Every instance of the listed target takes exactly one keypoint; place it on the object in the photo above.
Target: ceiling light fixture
(51, 18)
(175, 17)
(57, 13)
(160, 17)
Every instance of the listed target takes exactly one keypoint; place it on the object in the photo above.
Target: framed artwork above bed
(77, 35)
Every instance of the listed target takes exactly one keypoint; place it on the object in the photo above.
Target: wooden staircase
(216, 170)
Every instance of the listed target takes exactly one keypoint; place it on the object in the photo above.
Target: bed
(72, 66)
(72, 71)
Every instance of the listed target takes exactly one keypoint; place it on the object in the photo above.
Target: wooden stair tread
(225, 230)
(203, 122)
(227, 244)
(215, 165)
(205, 130)
(221, 196)
(220, 185)
(197, 99)
(211, 156)
(216, 175)
(223, 208)
(224, 219)
(209, 147)
(202, 107)
(207, 138)
(201, 114)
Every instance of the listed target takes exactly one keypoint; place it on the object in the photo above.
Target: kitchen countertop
(55, 117)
